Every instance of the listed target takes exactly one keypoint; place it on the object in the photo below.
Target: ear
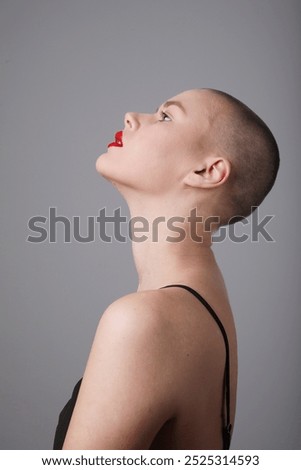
(210, 173)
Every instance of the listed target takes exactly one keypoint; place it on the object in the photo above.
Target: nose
(131, 120)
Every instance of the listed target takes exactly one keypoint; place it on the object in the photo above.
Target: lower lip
(114, 144)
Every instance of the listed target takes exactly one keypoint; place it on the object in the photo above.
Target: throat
(174, 249)
(161, 264)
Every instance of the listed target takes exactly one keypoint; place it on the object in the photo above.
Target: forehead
(201, 108)
(198, 94)
(195, 102)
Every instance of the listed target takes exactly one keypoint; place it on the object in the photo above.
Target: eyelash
(163, 115)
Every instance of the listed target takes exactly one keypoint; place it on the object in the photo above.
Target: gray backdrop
(70, 69)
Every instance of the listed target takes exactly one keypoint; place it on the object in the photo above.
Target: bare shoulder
(139, 322)
(134, 331)
(126, 381)
(139, 314)
(162, 315)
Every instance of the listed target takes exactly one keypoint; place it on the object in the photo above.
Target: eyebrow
(173, 103)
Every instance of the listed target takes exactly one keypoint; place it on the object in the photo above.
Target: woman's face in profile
(154, 150)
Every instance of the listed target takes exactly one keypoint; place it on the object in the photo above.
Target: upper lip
(118, 140)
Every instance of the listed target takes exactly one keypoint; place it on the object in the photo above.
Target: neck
(170, 251)
(162, 264)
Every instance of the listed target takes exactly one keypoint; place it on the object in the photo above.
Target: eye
(163, 116)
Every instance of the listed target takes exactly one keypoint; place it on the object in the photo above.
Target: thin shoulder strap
(227, 426)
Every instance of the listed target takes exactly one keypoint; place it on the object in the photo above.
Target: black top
(66, 413)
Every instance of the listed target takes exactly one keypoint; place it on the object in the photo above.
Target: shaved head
(249, 145)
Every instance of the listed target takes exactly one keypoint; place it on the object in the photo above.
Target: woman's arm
(126, 393)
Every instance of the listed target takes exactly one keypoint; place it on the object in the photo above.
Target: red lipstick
(118, 140)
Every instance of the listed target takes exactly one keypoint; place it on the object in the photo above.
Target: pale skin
(154, 377)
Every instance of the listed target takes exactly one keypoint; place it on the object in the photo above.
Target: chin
(98, 164)
(102, 165)
(104, 168)
(110, 169)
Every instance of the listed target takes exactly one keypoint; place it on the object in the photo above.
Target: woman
(162, 372)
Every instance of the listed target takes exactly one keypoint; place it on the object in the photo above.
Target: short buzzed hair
(253, 154)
